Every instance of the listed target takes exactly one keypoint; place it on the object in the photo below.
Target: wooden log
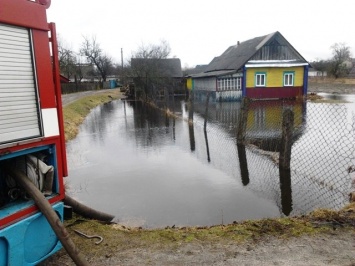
(46, 208)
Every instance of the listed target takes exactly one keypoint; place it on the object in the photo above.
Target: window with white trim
(288, 78)
(229, 84)
(260, 80)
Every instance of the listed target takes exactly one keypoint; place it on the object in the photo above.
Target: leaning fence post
(243, 121)
(243, 163)
(206, 111)
(241, 132)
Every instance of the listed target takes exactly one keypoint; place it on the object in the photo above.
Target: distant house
(351, 68)
(262, 67)
(64, 79)
(156, 75)
(312, 72)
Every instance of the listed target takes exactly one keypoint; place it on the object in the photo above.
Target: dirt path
(332, 248)
(336, 249)
(71, 97)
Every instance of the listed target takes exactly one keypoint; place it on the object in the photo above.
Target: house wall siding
(205, 84)
(189, 83)
(274, 76)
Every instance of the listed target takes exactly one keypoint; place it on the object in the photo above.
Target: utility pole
(122, 66)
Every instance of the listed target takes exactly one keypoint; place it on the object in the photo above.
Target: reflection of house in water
(264, 120)
(264, 123)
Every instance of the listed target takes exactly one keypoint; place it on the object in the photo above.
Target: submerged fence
(300, 154)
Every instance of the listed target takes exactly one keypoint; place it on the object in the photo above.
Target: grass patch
(119, 238)
(75, 113)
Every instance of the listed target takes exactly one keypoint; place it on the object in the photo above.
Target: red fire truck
(31, 130)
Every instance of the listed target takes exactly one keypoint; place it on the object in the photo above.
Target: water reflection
(152, 170)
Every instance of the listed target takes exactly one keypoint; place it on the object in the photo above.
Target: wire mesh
(322, 149)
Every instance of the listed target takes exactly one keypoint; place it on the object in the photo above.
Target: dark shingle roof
(237, 55)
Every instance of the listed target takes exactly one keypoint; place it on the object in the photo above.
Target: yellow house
(262, 67)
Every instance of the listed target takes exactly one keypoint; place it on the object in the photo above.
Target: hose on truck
(46, 208)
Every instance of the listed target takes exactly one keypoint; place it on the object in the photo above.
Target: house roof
(64, 79)
(236, 56)
(213, 73)
(169, 67)
(198, 69)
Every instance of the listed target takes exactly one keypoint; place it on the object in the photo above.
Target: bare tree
(90, 48)
(148, 70)
(339, 66)
(69, 62)
(67, 59)
(153, 51)
(321, 65)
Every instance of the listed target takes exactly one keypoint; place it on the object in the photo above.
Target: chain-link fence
(320, 172)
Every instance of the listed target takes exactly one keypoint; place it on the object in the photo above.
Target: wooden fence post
(192, 136)
(243, 121)
(285, 161)
(243, 163)
(206, 111)
(207, 147)
(191, 108)
(286, 139)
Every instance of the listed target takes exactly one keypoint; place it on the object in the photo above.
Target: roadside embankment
(78, 105)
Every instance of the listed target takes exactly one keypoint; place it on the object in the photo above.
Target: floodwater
(153, 171)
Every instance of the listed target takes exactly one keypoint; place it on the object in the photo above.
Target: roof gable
(268, 47)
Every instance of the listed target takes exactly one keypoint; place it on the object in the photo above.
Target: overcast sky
(199, 30)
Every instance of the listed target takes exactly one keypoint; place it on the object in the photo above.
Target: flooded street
(153, 171)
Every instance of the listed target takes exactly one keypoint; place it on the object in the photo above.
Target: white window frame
(239, 84)
(287, 76)
(229, 84)
(260, 79)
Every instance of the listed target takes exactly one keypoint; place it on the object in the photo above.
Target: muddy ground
(333, 246)
(296, 241)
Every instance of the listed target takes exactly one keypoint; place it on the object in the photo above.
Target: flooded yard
(152, 170)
